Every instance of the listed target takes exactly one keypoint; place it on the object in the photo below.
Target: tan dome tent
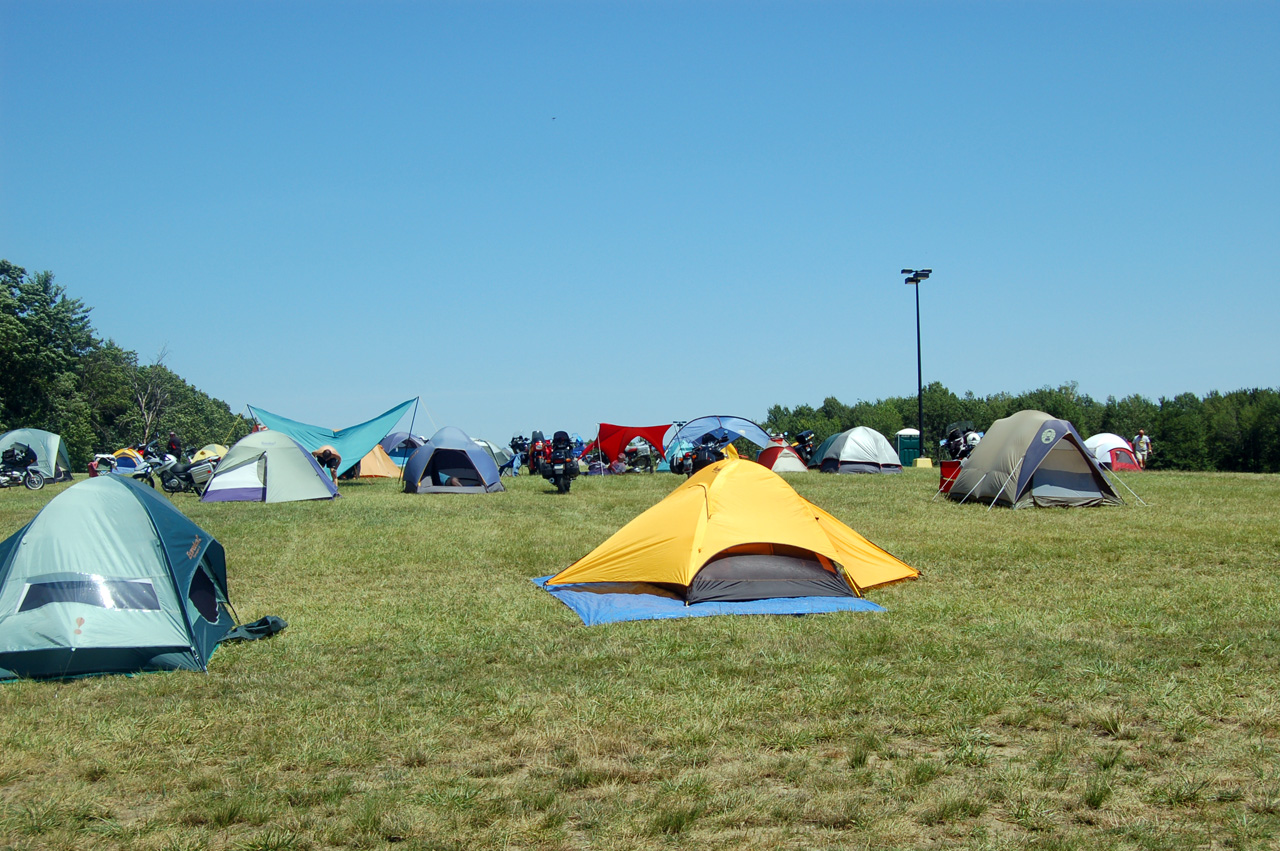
(1032, 458)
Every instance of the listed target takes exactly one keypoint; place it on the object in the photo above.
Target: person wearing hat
(174, 446)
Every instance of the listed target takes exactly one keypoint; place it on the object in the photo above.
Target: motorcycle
(639, 459)
(559, 467)
(15, 468)
(803, 445)
(539, 453)
(519, 451)
(181, 476)
(961, 439)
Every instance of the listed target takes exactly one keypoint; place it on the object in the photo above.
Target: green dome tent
(268, 466)
(110, 578)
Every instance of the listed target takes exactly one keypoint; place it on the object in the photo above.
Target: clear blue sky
(543, 215)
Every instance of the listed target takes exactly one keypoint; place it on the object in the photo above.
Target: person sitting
(328, 458)
(619, 464)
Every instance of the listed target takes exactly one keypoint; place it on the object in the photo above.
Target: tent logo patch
(195, 548)
(1047, 436)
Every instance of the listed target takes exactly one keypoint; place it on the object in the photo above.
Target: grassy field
(1096, 678)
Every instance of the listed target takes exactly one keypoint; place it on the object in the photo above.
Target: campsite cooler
(948, 473)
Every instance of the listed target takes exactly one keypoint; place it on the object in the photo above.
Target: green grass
(1103, 678)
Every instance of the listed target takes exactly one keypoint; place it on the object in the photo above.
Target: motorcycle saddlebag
(202, 472)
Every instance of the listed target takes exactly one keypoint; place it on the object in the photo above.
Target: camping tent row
(110, 577)
(52, 460)
(1032, 458)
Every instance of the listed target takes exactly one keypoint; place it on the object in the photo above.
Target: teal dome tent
(110, 578)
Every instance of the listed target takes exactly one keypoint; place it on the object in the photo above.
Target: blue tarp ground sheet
(612, 602)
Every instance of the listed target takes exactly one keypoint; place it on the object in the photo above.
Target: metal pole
(919, 377)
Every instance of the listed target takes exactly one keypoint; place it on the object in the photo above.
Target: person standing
(1141, 448)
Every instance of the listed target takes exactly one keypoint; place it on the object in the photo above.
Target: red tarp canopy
(614, 438)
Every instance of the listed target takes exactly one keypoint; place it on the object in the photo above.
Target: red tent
(613, 439)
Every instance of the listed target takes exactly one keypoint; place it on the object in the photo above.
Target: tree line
(56, 374)
(1227, 432)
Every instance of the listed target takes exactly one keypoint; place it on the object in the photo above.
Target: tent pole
(414, 416)
(975, 487)
(1126, 487)
(1012, 476)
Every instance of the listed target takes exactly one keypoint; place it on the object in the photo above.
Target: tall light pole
(914, 277)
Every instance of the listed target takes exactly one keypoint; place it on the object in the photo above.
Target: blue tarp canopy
(352, 443)
(723, 429)
(612, 602)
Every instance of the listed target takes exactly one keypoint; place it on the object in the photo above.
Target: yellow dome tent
(210, 450)
(737, 531)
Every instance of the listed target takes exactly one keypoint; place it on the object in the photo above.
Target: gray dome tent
(451, 456)
(858, 450)
(1032, 458)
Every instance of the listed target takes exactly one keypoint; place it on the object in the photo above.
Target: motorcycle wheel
(33, 480)
(562, 484)
(171, 484)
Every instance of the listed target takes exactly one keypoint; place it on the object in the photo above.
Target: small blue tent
(110, 578)
(451, 462)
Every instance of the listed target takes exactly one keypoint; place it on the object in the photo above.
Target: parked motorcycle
(539, 453)
(560, 467)
(519, 451)
(803, 445)
(181, 476)
(961, 440)
(15, 468)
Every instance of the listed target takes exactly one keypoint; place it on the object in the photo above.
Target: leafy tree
(1179, 440)
(43, 334)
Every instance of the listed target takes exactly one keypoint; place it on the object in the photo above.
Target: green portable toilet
(110, 578)
(908, 446)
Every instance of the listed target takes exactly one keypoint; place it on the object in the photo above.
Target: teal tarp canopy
(352, 443)
(110, 578)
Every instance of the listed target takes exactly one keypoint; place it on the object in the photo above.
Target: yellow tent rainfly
(736, 531)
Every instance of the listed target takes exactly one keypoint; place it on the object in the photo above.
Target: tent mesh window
(763, 571)
(204, 594)
(136, 594)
